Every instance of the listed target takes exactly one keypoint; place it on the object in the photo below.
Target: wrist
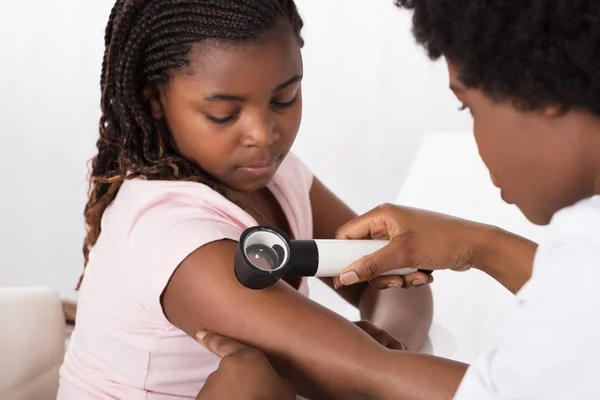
(506, 257)
(483, 241)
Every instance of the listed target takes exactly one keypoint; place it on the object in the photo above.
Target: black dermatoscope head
(264, 253)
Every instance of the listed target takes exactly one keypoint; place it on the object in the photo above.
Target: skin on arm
(323, 355)
(405, 314)
(506, 257)
(69, 311)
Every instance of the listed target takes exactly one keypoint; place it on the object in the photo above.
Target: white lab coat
(551, 348)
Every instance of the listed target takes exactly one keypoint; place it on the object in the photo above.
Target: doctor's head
(529, 73)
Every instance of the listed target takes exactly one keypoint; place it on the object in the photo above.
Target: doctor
(529, 73)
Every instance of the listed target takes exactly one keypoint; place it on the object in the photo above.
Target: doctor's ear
(554, 111)
(152, 96)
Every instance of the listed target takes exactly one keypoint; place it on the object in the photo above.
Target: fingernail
(349, 278)
(200, 335)
(394, 286)
(418, 282)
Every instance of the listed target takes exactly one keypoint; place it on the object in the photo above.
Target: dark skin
(231, 380)
(227, 123)
(517, 147)
(236, 111)
(565, 168)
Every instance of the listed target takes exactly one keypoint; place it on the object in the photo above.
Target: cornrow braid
(144, 40)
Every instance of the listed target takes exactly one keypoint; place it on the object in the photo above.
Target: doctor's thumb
(373, 265)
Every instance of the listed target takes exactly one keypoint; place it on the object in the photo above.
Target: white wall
(51, 53)
(370, 96)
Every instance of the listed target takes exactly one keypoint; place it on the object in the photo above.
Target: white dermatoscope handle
(336, 255)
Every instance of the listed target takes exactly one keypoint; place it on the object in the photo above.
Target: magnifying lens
(265, 255)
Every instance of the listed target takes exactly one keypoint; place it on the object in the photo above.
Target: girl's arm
(406, 314)
(323, 355)
(69, 311)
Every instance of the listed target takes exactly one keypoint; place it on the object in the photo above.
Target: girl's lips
(261, 168)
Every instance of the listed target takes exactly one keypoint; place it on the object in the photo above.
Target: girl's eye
(279, 104)
(225, 120)
(221, 121)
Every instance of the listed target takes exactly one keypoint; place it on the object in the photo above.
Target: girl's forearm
(414, 376)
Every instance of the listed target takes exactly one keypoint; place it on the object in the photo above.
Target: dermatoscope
(266, 254)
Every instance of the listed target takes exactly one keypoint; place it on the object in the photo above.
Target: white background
(370, 97)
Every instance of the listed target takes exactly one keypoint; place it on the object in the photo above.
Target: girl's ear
(152, 97)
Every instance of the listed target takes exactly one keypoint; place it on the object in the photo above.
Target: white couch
(32, 343)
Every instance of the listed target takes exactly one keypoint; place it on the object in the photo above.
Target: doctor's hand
(243, 374)
(418, 239)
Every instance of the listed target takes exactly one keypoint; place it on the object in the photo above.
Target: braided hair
(144, 40)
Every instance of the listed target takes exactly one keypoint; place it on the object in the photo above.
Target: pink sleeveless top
(123, 347)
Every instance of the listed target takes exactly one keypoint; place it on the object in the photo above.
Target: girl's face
(236, 109)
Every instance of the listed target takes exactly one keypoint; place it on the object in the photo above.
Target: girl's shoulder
(150, 228)
(145, 208)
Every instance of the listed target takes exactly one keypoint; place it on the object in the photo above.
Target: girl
(201, 103)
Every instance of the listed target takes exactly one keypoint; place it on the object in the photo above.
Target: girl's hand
(244, 373)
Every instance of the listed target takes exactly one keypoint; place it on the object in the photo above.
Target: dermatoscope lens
(264, 257)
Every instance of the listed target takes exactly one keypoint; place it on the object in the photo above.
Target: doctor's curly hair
(533, 53)
(144, 41)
